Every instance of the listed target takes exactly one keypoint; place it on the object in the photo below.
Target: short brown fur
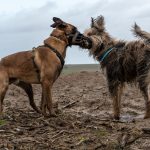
(39, 66)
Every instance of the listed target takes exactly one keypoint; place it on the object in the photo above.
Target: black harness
(57, 53)
(70, 37)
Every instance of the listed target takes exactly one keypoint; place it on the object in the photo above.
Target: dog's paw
(147, 116)
(116, 118)
(53, 114)
(48, 115)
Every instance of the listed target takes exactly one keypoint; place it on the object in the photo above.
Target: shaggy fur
(40, 66)
(128, 62)
(138, 32)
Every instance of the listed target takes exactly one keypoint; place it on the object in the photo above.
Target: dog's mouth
(72, 36)
(81, 40)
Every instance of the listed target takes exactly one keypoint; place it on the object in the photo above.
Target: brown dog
(122, 61)
(40, 66)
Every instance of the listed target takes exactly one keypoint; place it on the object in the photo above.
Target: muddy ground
(84, 118)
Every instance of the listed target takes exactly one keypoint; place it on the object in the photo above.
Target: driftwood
(126, 141)
(70, 104)
(146, 130)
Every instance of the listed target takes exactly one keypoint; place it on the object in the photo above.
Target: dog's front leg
(43, 102)
(46, 102)
(116, 96)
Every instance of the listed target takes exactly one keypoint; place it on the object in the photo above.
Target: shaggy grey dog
(124, 62)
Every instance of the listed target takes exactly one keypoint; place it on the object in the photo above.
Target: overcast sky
(26, 23)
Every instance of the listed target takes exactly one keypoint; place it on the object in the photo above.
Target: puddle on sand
(130, 118)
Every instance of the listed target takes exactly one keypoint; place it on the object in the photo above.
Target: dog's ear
(55, 19)
(58, 23)
(99, 23)
(100, 20)
(92, 22)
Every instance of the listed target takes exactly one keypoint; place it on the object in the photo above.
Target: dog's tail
(138, 32)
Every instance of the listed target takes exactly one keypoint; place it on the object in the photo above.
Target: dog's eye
(62, 26)
(74, 30)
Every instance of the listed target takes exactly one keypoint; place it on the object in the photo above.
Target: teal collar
(105, 54)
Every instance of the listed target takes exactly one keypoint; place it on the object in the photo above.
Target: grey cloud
(81, 14)
(144, 11)
(28, 28)
(29, 20)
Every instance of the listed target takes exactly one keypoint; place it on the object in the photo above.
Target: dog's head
(96, 39)
(97, 27)
(64, 30)
(92, 37)
(96, 33)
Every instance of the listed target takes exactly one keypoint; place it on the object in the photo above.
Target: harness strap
(76, 38)
(57, 53)
(35, 65)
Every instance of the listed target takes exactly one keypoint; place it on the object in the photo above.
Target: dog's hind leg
(146, 93)
(116, 93)
(144, 86)
(28, 89)
(147, 102)
(4, 82)
(2, 95)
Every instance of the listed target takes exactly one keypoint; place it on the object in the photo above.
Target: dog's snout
(74, 30)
